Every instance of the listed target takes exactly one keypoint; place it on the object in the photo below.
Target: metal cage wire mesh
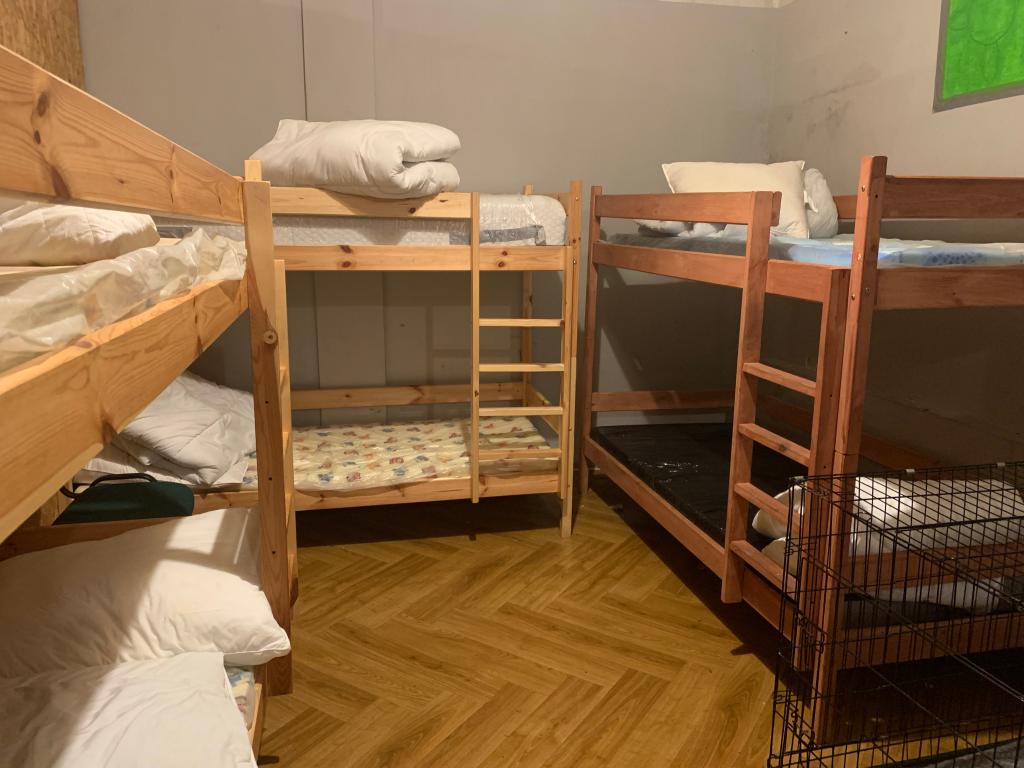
(904, 621)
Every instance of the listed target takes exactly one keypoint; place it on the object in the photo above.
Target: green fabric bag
(134, 496)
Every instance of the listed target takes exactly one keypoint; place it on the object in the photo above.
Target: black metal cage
(904, 621)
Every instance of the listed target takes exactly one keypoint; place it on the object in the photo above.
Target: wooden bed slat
(782, 378)
(799, 280)
(521, 367)
(771, 506)
(776, 442)
(950, 287)
(370, 397)
(310, 201)
(418, 258)
(717, 207)
(951, 197)
(59, 143)
(662, 400)
(60, 409)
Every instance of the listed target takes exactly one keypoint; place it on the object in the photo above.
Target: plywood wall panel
(45, 32)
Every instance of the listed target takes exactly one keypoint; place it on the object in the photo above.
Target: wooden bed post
(589, 336)
(274, 465)
(570, 302)
(526, 341)
(474, 429)
(860, 308)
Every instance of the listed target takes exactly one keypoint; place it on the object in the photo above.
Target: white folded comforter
(926, 513)
(375, 158)
(195, 431)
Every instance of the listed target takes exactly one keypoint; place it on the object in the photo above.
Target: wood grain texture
(719, 207)
(60, 409)
(46, 32)
(310, 201)
(361, 397)
(60, 143)
(450, 635)
(786, 278)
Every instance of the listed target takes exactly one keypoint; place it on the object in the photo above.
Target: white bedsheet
(166, 713)
(504, 220)
(39, 313)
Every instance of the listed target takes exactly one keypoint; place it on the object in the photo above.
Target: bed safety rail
(60, 144)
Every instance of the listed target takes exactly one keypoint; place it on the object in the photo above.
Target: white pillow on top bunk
(822, 214)
(165, 712)
(43, 235)
(184, 585)
(787, 178)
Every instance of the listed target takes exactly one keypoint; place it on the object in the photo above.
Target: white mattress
(504, 220)
(359, 456)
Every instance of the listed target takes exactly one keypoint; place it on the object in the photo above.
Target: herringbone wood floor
(448, 635)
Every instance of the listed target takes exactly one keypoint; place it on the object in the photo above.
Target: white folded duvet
(374, 158)
(195, 431)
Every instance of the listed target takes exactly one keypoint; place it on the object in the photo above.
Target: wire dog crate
(905, 621)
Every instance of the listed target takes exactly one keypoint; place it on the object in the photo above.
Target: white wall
(857, 78)
(540, 91)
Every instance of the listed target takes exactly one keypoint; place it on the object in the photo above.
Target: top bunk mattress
(45, 309)
(504, 220)
(837, 251)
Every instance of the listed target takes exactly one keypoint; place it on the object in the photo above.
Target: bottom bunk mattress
(353, 457)
(688, 466)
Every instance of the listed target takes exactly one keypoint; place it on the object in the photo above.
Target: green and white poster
(981, 52)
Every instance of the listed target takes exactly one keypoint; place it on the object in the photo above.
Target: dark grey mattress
(688, 466)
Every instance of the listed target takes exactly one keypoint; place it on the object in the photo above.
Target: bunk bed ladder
(823, 392)
(533, 403)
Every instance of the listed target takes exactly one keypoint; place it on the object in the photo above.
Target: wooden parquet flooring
(446, 635)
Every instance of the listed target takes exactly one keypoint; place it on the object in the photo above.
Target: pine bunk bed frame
(848, 296)
(59, 144)
(517, 397)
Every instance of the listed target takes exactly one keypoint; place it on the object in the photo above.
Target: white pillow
(786, 178)
(185, 585)
(44, 235)
(822, 214)
(165, 713)
(195, 430)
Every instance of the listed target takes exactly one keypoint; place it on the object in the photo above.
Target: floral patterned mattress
(351, 457)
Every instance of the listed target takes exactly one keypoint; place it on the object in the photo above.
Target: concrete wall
(857, 78)
(539, 91)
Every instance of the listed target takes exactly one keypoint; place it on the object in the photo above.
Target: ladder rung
(782, 378)
(523, 410)
(777, 443)
(771, 506)
(498, 454)
(520, 322)
(521, 367)
(759, 561)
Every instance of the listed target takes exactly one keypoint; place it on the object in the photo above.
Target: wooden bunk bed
(516, 397)
(848, 297)
(59, 144)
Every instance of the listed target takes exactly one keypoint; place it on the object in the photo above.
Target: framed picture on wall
(981, 52)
